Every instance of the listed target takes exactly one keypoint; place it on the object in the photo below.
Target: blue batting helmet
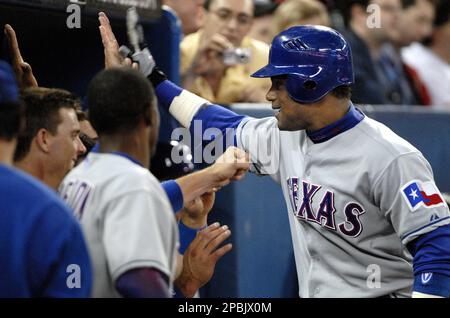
(316, 60)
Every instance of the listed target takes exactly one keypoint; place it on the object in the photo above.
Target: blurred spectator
(262, 23)
(210, 64)
(190, 12)
(50, 145)
(298, 12)
(415, 24)
(366, 40)
(432, 60)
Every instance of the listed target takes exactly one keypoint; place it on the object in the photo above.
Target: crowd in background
(401, 50)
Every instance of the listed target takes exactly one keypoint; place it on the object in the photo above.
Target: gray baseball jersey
(353, 201)
(126, 217)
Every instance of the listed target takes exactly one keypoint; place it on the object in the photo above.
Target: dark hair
(408, 3)
(118, 99)
(10, 120)
(208, 3)
(442, 13)
(42, 107)
(442, 17)
(263, 8)
(81, 115)
(343, 91)
(345, 6)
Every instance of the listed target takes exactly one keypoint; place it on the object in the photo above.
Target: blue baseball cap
(9, 92)
(316, 60)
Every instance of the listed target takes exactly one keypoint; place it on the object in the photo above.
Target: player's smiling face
(290, 114)
(65, 145)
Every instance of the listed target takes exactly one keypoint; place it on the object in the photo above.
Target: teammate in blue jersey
(361, 200)
(41, 243)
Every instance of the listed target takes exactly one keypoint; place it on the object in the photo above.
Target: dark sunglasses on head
(88, 142)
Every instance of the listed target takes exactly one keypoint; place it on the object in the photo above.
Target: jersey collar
(350, 120)
(96, 149)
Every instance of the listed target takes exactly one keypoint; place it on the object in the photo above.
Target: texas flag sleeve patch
(422, 194)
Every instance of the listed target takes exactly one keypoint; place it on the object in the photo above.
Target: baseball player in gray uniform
(366, 217)
(126, 216)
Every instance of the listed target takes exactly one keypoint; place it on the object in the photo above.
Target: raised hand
(24, 73)
(113, 58)
(201, 257)
(232, 165)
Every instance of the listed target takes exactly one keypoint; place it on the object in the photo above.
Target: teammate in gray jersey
(362, 202)
(126, 216)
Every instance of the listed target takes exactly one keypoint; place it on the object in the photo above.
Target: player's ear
(43, 140)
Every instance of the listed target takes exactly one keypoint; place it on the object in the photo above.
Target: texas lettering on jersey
(325, 214)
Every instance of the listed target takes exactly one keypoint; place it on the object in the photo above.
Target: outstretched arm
(194, 112)
(183, 105)
(231, 166)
